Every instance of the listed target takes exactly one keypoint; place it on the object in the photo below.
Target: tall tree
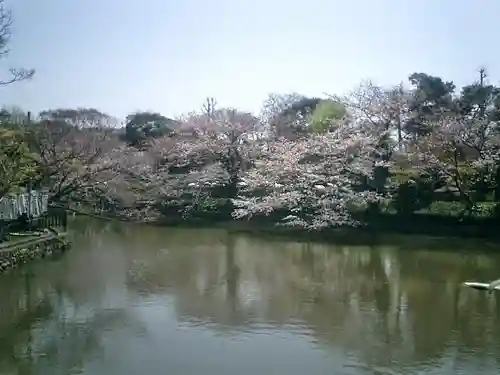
(71, 161)
(326, 115)
(229, 136)
(13, 116)
(479, 105)
(382, 110)
(480, 100)
(141, 126)
(432, 98)
(16, 162)
(288, 115)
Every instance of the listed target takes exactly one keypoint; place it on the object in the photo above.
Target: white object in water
(481, 286)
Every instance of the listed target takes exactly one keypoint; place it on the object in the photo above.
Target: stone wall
(17, 255)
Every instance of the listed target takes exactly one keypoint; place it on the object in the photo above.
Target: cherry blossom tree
(380, 109)
(70, 161)
(133, 185)
(226, 138)
(464, 151)
(313, 179)
(171, 177)
(210, 152)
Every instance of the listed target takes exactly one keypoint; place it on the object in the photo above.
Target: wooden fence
(31, 204)
(29, 212)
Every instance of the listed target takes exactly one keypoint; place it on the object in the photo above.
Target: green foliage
(16, 162)
(432, 97)
(143, 125)
(456, 209)
(413, 195)
(325, 114)
(304, 106)
(496, 184)
(480, 100)
(291, 114)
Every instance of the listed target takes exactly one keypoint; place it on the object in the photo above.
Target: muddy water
(136, 300)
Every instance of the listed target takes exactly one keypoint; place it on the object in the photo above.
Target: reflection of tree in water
(441, 311)
(201, 271)
(53, 341)
(52, 313)
(67, 343)
(378, 303)
(381, 303)
(232, 273)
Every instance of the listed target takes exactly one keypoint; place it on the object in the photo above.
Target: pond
(143, 300)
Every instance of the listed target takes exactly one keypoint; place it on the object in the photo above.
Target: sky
(121, 56)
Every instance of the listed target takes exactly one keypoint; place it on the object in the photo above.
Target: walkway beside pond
(17, 252)
(30, 229)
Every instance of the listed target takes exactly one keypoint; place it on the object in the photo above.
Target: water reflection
(141, 299)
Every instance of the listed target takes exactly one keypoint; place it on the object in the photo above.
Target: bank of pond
(375, 228)
(441, 219)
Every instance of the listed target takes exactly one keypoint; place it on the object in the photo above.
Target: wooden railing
(56, 218)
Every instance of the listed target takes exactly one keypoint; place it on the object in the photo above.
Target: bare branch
(17, 74)
(5, 28)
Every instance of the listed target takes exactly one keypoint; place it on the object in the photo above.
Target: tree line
(302, 161)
